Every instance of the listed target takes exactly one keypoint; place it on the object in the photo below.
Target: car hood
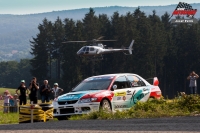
(76, 95)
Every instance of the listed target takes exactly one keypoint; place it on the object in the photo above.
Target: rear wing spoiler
(155, 81)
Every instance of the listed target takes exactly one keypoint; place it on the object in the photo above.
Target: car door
(140, 91)
(121, 93)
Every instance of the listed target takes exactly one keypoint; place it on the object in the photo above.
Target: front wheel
(60, 118)
(105, 105)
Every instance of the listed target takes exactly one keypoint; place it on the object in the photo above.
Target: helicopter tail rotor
(131, 47)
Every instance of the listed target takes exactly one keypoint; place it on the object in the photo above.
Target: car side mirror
(114, 87)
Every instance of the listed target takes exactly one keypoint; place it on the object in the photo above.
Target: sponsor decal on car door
(130, 90)
(139, 91)
(139, 94)
(119, 99)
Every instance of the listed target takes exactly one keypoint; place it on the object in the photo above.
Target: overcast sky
(39, 6)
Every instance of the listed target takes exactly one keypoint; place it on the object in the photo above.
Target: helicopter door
(87, 50)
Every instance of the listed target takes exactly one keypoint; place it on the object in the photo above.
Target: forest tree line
(167, 51)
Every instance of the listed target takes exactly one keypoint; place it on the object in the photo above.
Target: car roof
(115, 74)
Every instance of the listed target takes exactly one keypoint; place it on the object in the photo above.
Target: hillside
(17, 30)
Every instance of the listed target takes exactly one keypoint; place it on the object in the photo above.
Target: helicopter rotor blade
(106, 40)
(73, 41)
(100, 37)
(92, 41)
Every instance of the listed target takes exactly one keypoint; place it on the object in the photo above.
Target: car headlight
(93, 99)
(88, 100)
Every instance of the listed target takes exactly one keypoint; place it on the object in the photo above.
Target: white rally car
(111, 91)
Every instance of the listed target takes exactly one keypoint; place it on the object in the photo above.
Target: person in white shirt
(56, 90)
(193, 82)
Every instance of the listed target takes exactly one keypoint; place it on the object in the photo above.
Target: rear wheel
(105, 105)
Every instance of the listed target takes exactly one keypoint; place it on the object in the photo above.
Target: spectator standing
(23, 93)
(11, 105)
(33, 87)
(45, 91)
(14, 103)
(193, 82)
(56, 90)
(6, 98)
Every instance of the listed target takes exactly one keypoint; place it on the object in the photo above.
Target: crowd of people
(46, 92)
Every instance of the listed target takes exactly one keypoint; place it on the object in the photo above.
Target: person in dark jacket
(23, 93)
(33, 87)
(45, 91)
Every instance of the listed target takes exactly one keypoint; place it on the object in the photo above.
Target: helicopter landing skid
(96, 58)
(126, 53)
(92, 58)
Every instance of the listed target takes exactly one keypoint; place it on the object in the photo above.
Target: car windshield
(101, 84)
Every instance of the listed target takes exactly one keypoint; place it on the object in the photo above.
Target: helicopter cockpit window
(91, 49)
(83, 49)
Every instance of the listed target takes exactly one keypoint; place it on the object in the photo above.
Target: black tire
(105, 105)
(45, 106)
(60, 118)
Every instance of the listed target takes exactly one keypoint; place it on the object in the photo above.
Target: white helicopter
(98, 49)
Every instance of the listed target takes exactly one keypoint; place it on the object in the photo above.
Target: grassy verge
(9, 118)
(188, 105)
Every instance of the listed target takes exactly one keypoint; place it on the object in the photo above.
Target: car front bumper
(74, 109)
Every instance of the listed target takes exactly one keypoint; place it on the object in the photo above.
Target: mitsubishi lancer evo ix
(111, 91)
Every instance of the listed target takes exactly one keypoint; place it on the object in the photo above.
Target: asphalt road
(156, 125)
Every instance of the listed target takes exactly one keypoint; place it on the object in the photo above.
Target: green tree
(41, 47)
(68, 52)
(58, 33)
